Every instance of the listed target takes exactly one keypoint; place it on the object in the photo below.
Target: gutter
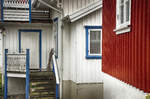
(83, 11)
(50, 6)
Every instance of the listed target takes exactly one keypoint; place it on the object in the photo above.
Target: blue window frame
(55, 29)
(93, 42)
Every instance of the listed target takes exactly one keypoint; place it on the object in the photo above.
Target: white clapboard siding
(71, 6)
(76, 67)
(11, 41)
(16, 15)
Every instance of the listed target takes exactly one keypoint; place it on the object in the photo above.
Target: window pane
(95, 42)
(127, 10)
(121, 14)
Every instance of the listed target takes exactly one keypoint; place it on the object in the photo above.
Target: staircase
(42, 85)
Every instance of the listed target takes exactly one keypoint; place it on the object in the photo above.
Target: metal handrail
(55, 66)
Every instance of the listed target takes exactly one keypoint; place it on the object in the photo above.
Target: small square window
(123, 16)
(93, 42)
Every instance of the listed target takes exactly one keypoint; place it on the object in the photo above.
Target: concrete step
(44, 91)
(42, 80)
(41, 74)
(42, 96)
(35, 85)
(42, 85)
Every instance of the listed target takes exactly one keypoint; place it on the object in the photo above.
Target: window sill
(93, 57)
(123, 29)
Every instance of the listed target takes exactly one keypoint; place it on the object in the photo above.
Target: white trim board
(84, 11)
(16, 75)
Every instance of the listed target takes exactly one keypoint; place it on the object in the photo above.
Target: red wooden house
(126, 41)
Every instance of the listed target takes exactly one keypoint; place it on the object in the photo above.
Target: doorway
(32, 39)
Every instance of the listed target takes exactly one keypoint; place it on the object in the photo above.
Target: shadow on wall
(72, 90)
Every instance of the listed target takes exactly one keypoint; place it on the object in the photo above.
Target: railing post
(57, 91)
(2, 16)
(30, 11)
(27, 72)
(19, 37)
(40, 50)
(6, 79)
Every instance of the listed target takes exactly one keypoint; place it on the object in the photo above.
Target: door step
(42, 85)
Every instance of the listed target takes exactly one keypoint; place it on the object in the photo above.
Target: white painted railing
(16, 62)
(56, 69)
(21, 10)
(16, 3)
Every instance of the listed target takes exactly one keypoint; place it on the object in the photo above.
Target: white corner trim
(85, 11)
(16, 75)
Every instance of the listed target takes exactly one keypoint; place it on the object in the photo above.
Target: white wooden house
(83, 70)
(72, 27)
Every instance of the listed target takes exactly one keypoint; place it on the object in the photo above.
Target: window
(55, 29)
(93, 42)
(123, 16)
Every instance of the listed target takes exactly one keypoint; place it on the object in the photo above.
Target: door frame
(2, 52)
(40, 42)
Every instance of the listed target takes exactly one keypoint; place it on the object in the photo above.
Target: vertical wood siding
(76, 67)
(127, 56)
(11, 41)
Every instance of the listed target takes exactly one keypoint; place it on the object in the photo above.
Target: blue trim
(40, 49)
(93, 57)
(6, 79)
(56, 21)
(40, 43)
(30, 11)
(93, 27)
(30, 30)
(87, 43)
(27, 72)
(53, 68)
(19, 38)
(2, 16)
(57, 91)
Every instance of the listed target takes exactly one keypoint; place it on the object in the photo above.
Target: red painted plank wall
(127, 56)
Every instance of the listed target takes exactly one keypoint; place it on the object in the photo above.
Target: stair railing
(55, 67)
(12, 61)
(56, 71)
(15, 10)
(52, 66)
(16, 3)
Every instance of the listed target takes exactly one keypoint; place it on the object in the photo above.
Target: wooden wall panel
(127, 56)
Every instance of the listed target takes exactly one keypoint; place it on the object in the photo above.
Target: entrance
(31, 39)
